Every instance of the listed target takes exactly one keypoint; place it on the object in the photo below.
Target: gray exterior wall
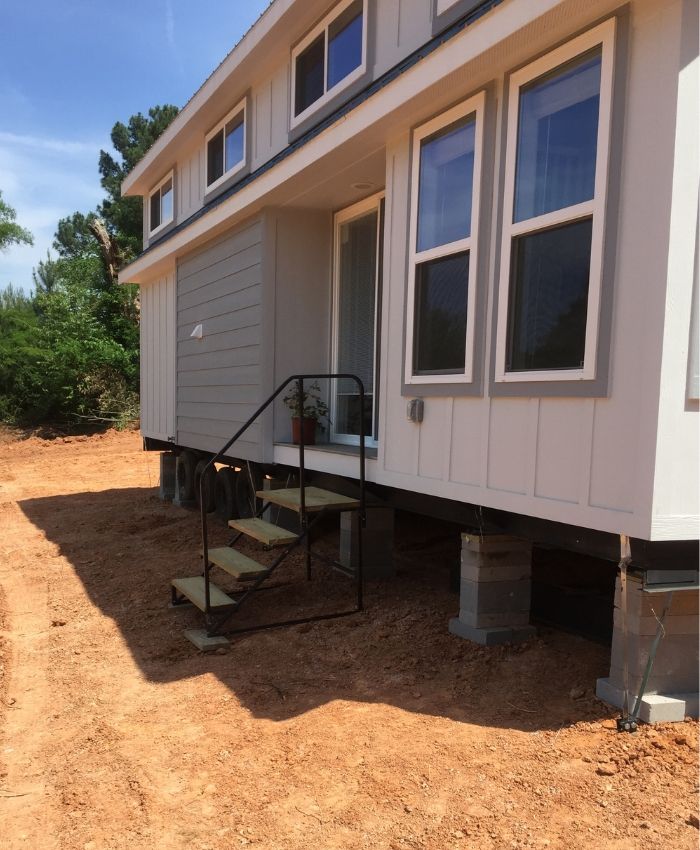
(219, 377)
(396, 29)
(299, 250)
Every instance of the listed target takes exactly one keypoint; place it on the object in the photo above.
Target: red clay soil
(375, 731)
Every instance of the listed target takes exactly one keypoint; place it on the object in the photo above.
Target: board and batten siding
(219, 376)
(583, 461)
(158, 306)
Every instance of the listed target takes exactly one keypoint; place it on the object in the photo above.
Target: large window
(160, 205)
(556, 179)
(329, 58)
(442, 273)
(226, 147)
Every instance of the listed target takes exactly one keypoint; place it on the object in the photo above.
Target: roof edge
(264, 24)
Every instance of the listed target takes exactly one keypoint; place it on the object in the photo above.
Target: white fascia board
(459, 51)
(133, 182)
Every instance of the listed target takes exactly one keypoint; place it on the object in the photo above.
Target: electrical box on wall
(414, 410)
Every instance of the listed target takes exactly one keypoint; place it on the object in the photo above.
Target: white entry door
(356, 307)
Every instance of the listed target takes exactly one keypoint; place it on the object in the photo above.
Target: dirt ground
(374, 731)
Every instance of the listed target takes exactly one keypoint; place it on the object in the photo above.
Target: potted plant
(307, 414)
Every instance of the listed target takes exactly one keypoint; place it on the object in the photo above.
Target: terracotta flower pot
(309, 431)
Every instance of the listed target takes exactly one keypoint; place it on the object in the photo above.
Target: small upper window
(161, 208)
(226, 147)
(331, 57)
(556, 176)
(441, 298)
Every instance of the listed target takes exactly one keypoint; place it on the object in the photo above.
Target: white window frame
(602, 36)
(220, 128)
(473, 106)
(357, 210)
(328, 94)
(163, 223)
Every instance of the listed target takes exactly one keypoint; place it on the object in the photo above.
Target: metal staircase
(310, 503)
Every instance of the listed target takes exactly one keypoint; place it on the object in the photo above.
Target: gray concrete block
(655, 708)
(677, 655)
(505, 557)
(168, 479)
(508, 572)
(377, 542)
(658, 682)
(479, 620)
(487, 597)
(494, 543)
(203, 642)
(674, 624)
(491, 636)
(643, 604)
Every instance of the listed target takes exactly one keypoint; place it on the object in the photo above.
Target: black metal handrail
(299, 379)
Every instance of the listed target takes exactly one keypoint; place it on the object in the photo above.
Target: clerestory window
(226, 147)
(329, 58)
(160, 205)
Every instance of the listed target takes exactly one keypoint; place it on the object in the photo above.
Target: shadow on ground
(126, 546)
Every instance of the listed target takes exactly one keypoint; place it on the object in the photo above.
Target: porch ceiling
(337, 183)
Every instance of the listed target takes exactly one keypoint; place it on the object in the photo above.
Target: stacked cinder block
(672, 689)
(495, 589)
(168, 476)
(377, 542)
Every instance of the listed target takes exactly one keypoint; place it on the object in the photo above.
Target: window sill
(334, 448)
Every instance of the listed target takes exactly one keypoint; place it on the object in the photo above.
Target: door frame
(357, 210)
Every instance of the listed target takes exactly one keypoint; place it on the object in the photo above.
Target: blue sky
(69, 69)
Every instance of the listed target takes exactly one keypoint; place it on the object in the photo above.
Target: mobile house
(486, 209)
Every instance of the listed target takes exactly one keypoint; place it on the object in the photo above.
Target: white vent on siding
(198, 332)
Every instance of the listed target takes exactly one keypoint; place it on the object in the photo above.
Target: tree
(45, 275)
(10, 232)
(123, 217)
(72, 350)
(73, 237)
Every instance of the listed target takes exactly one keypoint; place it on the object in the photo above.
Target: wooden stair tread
(235, 563)
(316, 499)
(264, 532)
(193, 589)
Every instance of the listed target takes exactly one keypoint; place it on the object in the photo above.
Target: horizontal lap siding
(219, 376)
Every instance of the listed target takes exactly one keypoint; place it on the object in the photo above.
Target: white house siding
(675, 507)
(583, 461)
(400, 27)
(158, 358)
(190, 183)
(219, 376)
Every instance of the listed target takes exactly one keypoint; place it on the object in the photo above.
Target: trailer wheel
(187, 462)
(248, 481)
(225, 494)
(209, 484)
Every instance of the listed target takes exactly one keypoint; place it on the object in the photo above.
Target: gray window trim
(453, 14)
(244, 171)
(149, 236)
(347, 93)
(476, 386)
(599, 387)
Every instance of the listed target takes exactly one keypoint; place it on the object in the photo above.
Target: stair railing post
(302, 477)
(363, 512)
(205, 550)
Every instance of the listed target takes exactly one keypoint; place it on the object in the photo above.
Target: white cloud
(170, 36)
(44, 179)
(59, 146)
